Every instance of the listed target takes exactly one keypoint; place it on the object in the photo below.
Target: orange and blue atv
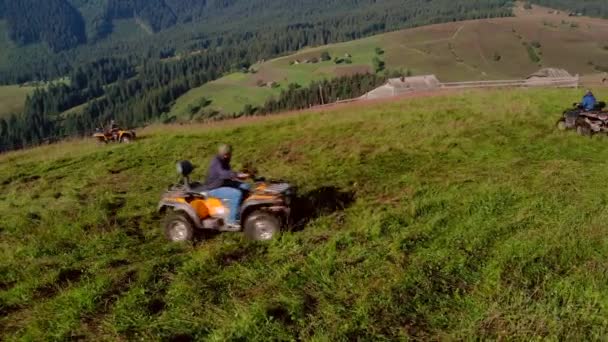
(187, 207)
(116, 135)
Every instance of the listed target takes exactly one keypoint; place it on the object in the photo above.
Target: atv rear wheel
(125, 139)
(561, 125)
(584, 130)
(261, 226)
(178, 227)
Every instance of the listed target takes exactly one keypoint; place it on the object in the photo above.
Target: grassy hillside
(471, 216)
(12, 99)
(459, 51)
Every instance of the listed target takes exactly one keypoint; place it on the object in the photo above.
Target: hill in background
(49, 39)
(137, 90)
(502, 48)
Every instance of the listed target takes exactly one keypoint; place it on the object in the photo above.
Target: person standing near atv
(589, 101)
(225, 184)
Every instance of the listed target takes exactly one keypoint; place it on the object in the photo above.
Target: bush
(379, 51)
(325, 56)
(532, 53)
(497, 57)
(379, 64)
(536, 44)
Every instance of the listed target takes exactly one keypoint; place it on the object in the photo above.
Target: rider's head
(225, 151)
(589, 92)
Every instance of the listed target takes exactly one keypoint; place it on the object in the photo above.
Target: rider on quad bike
(225, 184)
(113, 133)
(589, 102)
(112, 129)
(225, 203)
(587, 117)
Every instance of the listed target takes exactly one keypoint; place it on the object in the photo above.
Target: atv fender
(281, 210)
(183, 207)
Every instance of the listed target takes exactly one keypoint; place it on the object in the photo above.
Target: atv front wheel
(584, 130)
(561, 125)
(261, 226)
(125, 140)
(178, 227)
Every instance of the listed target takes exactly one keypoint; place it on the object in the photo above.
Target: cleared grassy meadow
(12, 99)
(471, 217)
(458, 51)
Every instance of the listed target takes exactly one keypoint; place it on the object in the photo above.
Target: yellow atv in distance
(115, 135)
(187, 207)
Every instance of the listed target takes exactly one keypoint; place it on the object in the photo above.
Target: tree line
(320, 92)
(41, 119)
(593, 8)
(268, 27)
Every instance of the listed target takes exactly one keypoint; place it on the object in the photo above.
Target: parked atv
(187, 207)
(117, 135)
(585, 122)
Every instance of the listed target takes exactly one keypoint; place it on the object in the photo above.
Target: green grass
(12, 99)
(473, 218)
(227, 97)
(459, 51)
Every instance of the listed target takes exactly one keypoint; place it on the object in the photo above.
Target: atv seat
(198, 188)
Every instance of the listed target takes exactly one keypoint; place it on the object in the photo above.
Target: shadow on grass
(319, 202)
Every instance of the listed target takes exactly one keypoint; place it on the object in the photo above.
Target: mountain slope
(462, 51)
(269, 27)
(54, 22)
(447, 218)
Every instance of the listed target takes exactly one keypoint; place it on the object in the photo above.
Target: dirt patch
(181, 338)
(288, 154)
(111, 207)
(33, 217)
(69, 275)
(92, 322)
(30, 179)
(280, 313)
(131, 226)
(240, 255)
(117, 263)
(319, 239)
(156, 306)
(118, 171)
(65, 278)
(233, 257)
(82, 198)
(9, 180)
(311, 304)
(7, 285)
